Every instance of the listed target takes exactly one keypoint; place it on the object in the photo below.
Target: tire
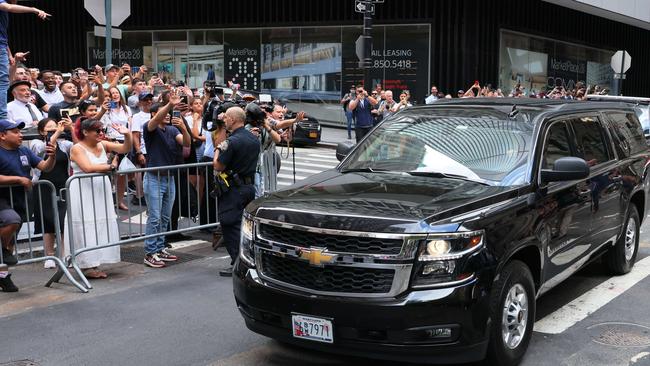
(514, 279)
(621, 257)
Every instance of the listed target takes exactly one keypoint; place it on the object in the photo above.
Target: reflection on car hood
(381, 202)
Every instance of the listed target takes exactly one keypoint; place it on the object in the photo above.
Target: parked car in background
(435, 235)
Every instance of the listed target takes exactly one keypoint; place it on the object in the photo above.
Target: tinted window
(590, 138)
(556, 146)
(482, 147)
(628, 130)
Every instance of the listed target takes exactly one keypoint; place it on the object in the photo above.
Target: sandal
(95, 274)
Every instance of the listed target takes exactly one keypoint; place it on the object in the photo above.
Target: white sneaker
(49, 264)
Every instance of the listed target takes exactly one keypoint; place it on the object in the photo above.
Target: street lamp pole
(109, 28)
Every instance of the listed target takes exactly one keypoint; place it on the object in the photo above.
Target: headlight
(442, 257)
(246, 252)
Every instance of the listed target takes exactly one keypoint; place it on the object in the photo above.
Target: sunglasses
(98, 130)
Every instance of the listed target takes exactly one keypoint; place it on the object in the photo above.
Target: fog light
(439, 268)
(439, 333)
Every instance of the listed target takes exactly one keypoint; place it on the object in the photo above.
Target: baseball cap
(6, 124)
(144, 95)
(111, 66)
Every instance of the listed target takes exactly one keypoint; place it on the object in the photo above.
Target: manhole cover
(620, 334)
(20, 363)
(136, 255)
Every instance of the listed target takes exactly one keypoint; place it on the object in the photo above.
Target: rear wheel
(512, 310)
(621, 257)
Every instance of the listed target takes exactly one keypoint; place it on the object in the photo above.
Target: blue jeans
(350, 118)
(159, 193)
(4, 81)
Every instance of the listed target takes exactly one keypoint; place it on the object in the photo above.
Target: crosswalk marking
(592, 300)
(308, 161)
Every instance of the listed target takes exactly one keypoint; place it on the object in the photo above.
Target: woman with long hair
(118, 114)
(93, 218)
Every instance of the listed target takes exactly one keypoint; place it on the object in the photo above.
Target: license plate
(313, 134)
(312, 328)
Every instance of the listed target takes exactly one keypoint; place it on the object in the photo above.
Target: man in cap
(16, 162)
(113, 78)
(22, 74)
(21, 109)
(138, 87)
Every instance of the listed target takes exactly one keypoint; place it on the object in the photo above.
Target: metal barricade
(43, 196)
(92, 217)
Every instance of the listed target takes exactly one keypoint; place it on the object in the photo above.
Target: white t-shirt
(137, 122)
(119, 116)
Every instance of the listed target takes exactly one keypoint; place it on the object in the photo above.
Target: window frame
(604, 134)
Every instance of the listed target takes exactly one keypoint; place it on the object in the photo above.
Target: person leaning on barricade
(235, 163)
(164, 137)
(16, 162)
(50, 131)
(94, 222)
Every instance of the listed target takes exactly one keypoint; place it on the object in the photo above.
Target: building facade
(304, 51)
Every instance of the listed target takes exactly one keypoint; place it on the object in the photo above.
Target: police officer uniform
(239, 154)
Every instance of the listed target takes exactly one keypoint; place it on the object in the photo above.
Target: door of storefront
(171, 60)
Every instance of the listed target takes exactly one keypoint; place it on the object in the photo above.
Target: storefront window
(537, 64)
(134, 49)
(205, 60)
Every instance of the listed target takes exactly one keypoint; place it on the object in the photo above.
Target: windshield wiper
(446, 175)
(364, 170)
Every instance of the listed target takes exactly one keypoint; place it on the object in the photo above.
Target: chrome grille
(334, 243)
(334, 279)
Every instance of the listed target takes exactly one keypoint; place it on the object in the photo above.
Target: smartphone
(65, 113)
(176, 113)
(184, 99)
(265, 98)
(154, 75)
(112, 104)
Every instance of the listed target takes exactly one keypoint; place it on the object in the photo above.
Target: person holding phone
(361, 106)
(118, 114)
(163, 135)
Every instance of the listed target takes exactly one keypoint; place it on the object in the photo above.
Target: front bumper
(398, 328)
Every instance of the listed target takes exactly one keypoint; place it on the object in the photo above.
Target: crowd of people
(364, 110)
(104, 119)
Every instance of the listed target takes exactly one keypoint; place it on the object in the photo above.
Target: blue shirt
(162, 148)
(4, 25)
(362, 114)
(240, 152)
(17, 163)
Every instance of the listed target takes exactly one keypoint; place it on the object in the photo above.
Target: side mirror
(343, 149)
(566, 169)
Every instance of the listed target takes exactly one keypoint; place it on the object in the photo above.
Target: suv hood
(377, 202)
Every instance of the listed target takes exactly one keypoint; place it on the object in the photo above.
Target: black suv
(435, 235)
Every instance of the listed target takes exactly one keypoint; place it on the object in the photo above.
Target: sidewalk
(129, 273)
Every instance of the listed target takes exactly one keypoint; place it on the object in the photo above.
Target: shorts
(9, 217)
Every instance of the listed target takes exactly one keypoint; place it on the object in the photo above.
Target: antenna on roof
(514, 112)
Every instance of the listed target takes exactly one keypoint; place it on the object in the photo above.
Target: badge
(24, 160)
(223, 146)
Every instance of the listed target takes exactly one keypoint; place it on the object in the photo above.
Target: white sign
(120, 10)
(621, 62)
(100, 31)
(362, 6)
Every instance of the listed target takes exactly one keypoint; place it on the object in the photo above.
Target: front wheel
(621, 257)
(512, 310)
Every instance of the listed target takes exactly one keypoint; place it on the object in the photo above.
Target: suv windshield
(481, 148)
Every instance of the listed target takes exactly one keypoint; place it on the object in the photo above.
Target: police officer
(235, 162)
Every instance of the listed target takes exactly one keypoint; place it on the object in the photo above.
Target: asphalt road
(185, 315)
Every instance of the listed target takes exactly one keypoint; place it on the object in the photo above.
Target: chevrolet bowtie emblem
(316, 256)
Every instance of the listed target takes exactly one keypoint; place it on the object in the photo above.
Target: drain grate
(136, 255)
(20, 363)
(621, 334)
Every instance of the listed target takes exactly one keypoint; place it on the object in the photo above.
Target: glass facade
(308, 68)
(539, 64)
